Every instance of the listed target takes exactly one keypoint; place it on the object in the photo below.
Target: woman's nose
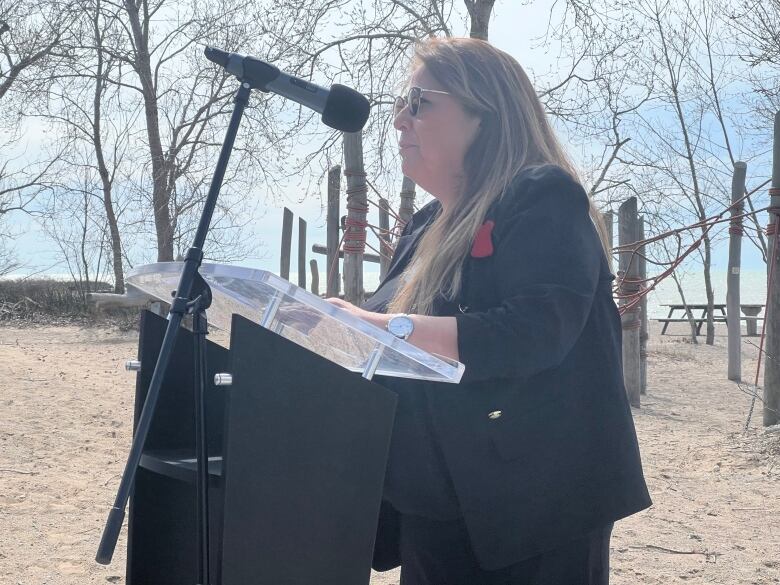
(403, 119)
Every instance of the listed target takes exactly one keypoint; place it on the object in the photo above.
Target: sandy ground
(65, 425)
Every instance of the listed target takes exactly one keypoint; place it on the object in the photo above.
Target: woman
(515, 475)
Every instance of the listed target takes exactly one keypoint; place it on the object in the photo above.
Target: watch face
(400, 326)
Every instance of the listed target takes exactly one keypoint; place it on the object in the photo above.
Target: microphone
(341, 107)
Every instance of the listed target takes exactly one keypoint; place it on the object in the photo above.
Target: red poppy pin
(483, 242)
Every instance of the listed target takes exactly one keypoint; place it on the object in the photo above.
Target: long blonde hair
(514, 134)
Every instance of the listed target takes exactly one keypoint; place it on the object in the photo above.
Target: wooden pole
(629, 275)
(608, 218)
(406, 209)
(301, 252)
(772, 313)
(733, 314)
(332, 276)
(287, 224)
(315, 277)
(357, 209)
(643, 331)
(386, 251)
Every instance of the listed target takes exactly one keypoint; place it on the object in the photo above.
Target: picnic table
(751, 317)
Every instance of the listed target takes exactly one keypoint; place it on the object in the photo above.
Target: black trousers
(437, 552)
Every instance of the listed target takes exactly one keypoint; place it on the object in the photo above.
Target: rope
(705, 225)
(773, 192)
(353, 240)
(735, 223)
(774, 215)
(355, 224)
(355, 232)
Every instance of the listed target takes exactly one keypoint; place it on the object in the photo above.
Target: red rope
(355, 227)
(705, 223)
(632, 298)
(735, 223)
(355, 234)
(773, 192)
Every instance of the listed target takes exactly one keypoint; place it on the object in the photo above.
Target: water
(752, 290)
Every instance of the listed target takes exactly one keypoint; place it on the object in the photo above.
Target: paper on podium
(301, 317)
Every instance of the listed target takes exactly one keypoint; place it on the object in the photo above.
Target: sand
(65, 427)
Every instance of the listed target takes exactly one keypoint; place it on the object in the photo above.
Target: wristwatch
(401, 326)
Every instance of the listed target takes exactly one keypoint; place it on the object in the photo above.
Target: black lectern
(297, 453)
(297, 442)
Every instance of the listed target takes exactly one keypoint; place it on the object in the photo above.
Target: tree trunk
(160, 189)
(357, 207)
(697, 194)
(688, 313)
(771, 415)
(113, 228)
(709, 292)
(332, 276)
(406, 208)
(479, 11)
(385, 250)
(733, 313)
(85, 288)
(630, 319)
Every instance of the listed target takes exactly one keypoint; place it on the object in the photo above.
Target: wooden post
(315, 277)
(287, 221)
(385, 250)
(301, 252)
(357, 209)
(333, 236)
(608, 218)
(643, 330)
(629, 275)
(406, 208)
(733, 314)
(772, 312)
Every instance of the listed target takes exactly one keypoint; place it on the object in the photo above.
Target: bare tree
(32, 36)
(758, 40)
(366, 44)
(95, 146)
(185, 101)
(76, 230)
(32, 39)
(480, 12)
(8, 260)
(650, 100)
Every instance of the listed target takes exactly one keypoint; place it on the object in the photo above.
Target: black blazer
(538, 436)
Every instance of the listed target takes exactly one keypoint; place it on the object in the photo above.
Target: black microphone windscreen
(217, 56)
(346, 109)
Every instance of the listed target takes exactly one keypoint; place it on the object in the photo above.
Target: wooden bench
(700, 321)
(750, 310)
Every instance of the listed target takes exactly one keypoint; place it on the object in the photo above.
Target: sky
(515, 28)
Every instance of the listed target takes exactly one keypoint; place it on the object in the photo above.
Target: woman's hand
(377, 319)
(437, 335)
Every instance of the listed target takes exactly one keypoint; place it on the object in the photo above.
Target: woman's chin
(409, 168)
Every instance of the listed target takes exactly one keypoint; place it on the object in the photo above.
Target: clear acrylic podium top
(301, 317)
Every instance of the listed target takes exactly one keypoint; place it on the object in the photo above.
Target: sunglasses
(413, 99)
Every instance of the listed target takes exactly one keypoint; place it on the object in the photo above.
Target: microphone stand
(192, 296)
